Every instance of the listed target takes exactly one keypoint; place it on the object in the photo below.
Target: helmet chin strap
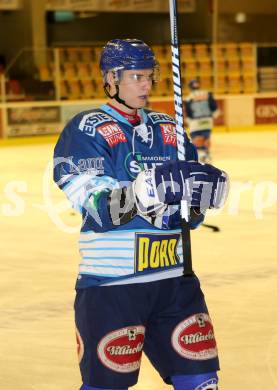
(116, 96)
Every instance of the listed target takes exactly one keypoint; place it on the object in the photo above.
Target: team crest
(145, 134)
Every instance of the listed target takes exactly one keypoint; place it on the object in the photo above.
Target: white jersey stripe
(148, 278)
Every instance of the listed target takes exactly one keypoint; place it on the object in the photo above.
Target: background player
(118, 166)
(201, 109)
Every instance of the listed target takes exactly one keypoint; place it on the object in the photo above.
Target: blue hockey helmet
(127, 54)
(193, 84)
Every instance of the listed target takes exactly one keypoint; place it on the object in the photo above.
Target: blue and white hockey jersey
(201, 108)
(97, 151)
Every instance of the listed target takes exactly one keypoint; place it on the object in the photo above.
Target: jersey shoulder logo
(90, 121)
(112, 134)
(159, 117)
(169, 134)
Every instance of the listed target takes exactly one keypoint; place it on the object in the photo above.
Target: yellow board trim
(34, 140)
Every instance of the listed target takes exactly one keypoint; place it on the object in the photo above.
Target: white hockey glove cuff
(146, 194)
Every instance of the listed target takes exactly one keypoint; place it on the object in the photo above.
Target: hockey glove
(202, 185)
(210, 186)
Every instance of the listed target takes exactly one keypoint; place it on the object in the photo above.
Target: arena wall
(237, 112)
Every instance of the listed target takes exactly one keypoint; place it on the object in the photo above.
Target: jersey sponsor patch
(134, 163)
(194, 338)
(169, 134)
(91, 165)
(80, 345)
(156, 251)
(89, 121)
(112, 134)
(121, 349)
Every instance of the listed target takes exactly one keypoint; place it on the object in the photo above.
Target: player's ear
(110, 79)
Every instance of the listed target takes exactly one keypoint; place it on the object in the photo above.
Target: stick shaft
(181, 139)
(177, 80)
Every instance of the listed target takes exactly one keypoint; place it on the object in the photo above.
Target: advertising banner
(33, 121)
(265, 110)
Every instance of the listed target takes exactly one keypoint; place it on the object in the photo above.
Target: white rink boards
(39, 259)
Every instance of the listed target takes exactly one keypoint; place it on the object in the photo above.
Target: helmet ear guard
(117, 76)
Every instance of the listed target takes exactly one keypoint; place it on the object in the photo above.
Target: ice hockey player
(201, 109)
(118, 166)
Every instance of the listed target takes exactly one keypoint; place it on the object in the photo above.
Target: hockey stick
(181, 139)
(214, 228)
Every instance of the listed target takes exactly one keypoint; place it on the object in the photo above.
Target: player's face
(135, 87)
